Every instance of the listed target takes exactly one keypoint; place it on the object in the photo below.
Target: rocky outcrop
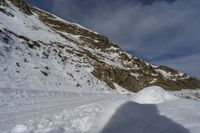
(22, 5)
(135, 80)
(116, 75)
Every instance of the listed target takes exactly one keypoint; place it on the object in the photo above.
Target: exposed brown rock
(22, 5)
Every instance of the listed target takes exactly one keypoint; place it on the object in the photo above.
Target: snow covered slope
(57, 77)
(41, 51)
(32, 56)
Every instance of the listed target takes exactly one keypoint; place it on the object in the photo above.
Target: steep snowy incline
(32, 56)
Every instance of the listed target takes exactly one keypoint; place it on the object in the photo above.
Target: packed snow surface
(19, 129)
(36, 111)
(153, 95)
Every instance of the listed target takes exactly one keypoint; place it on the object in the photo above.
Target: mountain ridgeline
(41, 51)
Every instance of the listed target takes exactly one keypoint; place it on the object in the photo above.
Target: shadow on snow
(140, 118)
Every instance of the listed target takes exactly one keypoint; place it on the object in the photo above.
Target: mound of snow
(20, 129)
(152, 95)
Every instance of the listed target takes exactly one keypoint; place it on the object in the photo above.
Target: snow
(122, 90)
(171, 117)
(136, 75)
(152, 95)
(188, 93)
(164, 73)
(37, 111)
(153, 81)
(31, 102)
(2, 7)
(19, 129)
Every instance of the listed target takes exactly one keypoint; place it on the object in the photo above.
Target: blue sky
(159, 31)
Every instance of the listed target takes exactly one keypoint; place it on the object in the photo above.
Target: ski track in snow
(67, 112)
(43, 109)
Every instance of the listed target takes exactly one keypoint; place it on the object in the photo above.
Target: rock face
(22, 5)
(135, 80)
(55, 41)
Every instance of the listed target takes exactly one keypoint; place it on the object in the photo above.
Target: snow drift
(152, 95)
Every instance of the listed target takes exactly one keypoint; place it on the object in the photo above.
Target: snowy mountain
(41, 51)
(59, 77)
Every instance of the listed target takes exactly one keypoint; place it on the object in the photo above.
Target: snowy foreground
(152, 110)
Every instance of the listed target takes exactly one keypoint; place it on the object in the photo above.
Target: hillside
(59, 77)
(41, 51)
